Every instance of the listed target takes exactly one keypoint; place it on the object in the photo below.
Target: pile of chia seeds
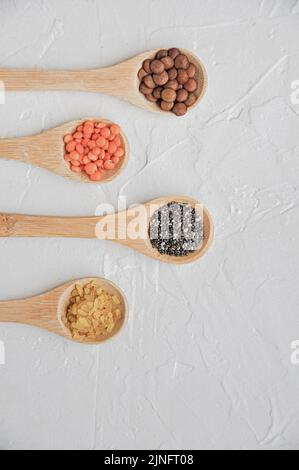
(176, 229)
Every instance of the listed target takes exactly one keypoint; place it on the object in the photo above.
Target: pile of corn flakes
(92, 312)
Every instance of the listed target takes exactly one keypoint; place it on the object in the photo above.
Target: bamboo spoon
(47, 150)
(48, 311)
(120, 80)
(128, 228)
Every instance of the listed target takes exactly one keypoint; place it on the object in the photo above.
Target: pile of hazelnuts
(169, 80)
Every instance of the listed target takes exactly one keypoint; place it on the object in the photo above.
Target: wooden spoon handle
(42, 310)
(14, 225)
(109, 227)
(106, 80)
(38, 311)
(23, 80)
(14, 311)
(16, 149)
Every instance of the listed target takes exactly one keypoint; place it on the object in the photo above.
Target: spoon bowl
(201, 77)
(208, 231)
(120, 80)
(129, 228)
(47, 150)
(48, 311)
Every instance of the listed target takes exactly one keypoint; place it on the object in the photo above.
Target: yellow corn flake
(116, 300)
(76, 336)
(82, 313)
(117, 313)
(72, 318)
(74, 309)
(84, 322)
(84, 307)
(95, 323)
(110, 328)
(79, 290)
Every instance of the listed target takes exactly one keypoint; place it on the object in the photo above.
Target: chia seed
(176, 229)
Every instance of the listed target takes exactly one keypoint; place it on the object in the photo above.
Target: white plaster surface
(204, 362)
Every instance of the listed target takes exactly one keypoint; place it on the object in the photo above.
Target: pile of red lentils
(93, 148)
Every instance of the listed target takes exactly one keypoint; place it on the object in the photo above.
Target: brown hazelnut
(181, 62)
(147, 65)
(191, 71)
(149, 82)
(151, 98)
(161, 78)
(173, 84)
(157, 66)
(168, 62)
(141, 74)
(173, 52)
(162, 53)
(191, 85)
(182, 77)
(168, 95)
(144, 89)
(179, 109)
(157, 92)
(181, 96)
(191, 100)
(166, 106)
(172, 73)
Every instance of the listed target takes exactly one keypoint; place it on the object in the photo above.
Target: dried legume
(169, 70)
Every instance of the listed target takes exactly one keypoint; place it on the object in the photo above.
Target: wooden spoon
(123, 228)
(120, 80)
(47, 150)
(48, 310)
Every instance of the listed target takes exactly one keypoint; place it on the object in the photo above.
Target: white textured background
(204, 361)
